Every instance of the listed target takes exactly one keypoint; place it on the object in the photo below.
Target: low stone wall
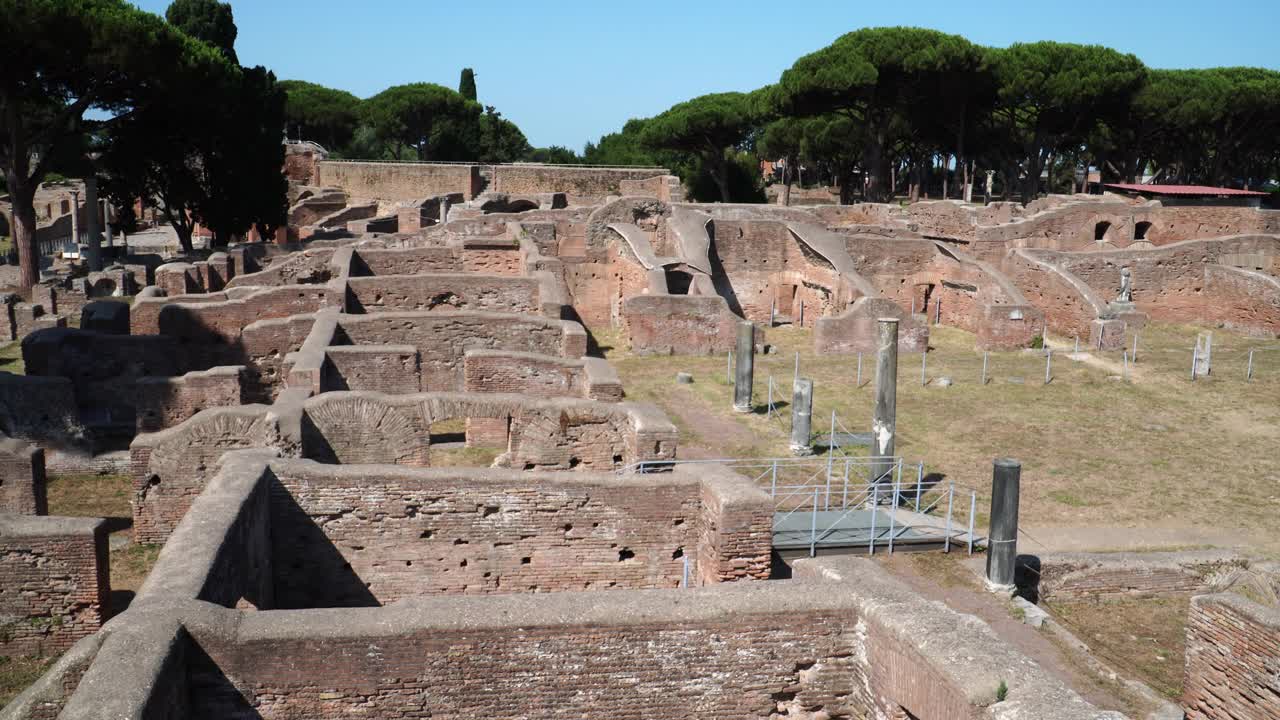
(166, 401)
(41, 410)
(361, 535)
(1233, 660)
(23, 489)
(53, 571)
(497, 371)
(1243, 300)
(308, 267)
(1096, 575)
(378, 368)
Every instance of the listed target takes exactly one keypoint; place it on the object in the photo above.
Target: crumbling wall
(40, 410)
(580, 183)
(1095, 575)
(657, 324)
(1233, 660)
(378, 368)
(854, 330)
(23, 489)
(53, 572)
(1243, 300)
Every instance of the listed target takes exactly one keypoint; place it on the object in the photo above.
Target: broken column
(884, 421)
(744, 363)
(1204, 355)
(1002, 545)
(75, 217)
(802, 417)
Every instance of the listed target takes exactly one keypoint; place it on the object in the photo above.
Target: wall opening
(1140, 230)
(1100, 231)
(678, 282)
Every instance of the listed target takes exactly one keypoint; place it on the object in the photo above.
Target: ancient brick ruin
(298, 421)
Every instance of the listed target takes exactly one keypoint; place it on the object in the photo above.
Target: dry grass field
(1152, 461)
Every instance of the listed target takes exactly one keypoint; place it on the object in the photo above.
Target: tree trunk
(786, 183)
(946, 186)
(22, 194)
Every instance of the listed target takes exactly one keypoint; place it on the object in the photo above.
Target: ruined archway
(1140, 230)
(1100, 231)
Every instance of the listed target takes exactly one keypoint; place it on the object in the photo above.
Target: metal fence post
(893, 508)
(831, 443)
(985, 355)
(1248, 374)
(973, 510)
(684, 579)
(773, 482)
(844, 494)
(813, 526)
(1077, 350)
(728, 367)
(924, 361)
(875, 505)
(1126, 364)
(1195, 355)
(1134, 355)
(919, 482)
(946, 542)
(1048, 365)
(859, 383)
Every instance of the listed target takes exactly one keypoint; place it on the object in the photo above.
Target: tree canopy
(103, 55)
(325, 115)
(209, 21)
(434, 121)
(709, 126)
(467, 84)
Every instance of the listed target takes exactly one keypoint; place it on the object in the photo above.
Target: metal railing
(831, 490)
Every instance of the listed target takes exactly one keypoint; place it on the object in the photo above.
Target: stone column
(91, 224)
(1002, 545)
(106, 218)
(802, 417)
(884, 422)
(744, 364)
(75, 217)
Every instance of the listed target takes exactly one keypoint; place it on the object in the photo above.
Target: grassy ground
(16, 673)
(107, 496)
(1155, 450)
(1143, 637)
(11, 359)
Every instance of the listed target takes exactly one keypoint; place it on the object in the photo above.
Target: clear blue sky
(568, 71)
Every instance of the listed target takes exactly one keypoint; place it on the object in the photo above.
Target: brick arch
(356, 429)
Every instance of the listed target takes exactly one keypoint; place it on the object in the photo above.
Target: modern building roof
(1183, 190)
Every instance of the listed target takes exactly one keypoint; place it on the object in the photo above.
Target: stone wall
(22, 478)
(658, 324)
(854, 330)
(377, 368)
(41, 410)
(1233, 660)
(54, 584)
(399, 181)
(1243, 300)
(362, 535)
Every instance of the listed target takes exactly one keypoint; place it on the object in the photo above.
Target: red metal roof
(1182, 190)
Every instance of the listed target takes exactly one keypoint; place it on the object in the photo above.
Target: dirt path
(706, 435)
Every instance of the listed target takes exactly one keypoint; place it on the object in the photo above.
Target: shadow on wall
(212, 694)
(310, 572)
(720, 278)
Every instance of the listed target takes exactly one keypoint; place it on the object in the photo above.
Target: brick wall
(489, 371)
(1243, 300)
(166, 401)
(1233, 660)
(378, 368)
(398, 181)
(54, 584)
(41, 410)
(494, 293)
(362, 535)
(679, 324)
(562, 434)
(854, 330)
(22, 478)
(442, 337)
(1094, 575)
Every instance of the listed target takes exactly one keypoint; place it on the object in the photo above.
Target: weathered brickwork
(378, 368)
(442, 337)
(360, 535)
(398, 181)
(56, 584)
(1098, 575)
(496, 371)
(22, 478)
(578, 183)
(163, 402)
(1233, 660)
(447, 292)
